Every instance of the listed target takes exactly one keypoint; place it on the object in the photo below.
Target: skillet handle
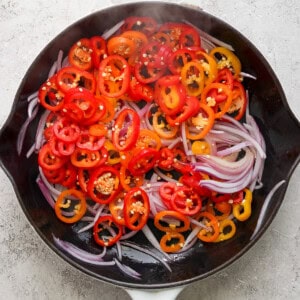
(166, 294)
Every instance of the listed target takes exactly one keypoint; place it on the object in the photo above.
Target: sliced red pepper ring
(70, 176)
(128, 181)
(50, 96)
(89, 142)
(171, 98)
(189, 38)
(142, 161)
(178, 59)
(84, 158)
(54, 176)
(186, 201)
(66, 131)
(106, 231)
(166, 190)
(48, 160)
(239, 101)
(99, 50)
(166, 159)
(71, 77)
(147, 25)
(172, 242)
(140, 91)
(198, 126)
(170, 221)
(190, 108)
(122, 46)
(83, 178)
(192, 180)
(126, 130)
(136, 208)
(114, 76)
(210, 221)
(222, 107)
(104, 184)
(147, 74)
(70, 206)
(80, 54)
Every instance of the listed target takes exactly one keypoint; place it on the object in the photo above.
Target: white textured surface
(30, 270)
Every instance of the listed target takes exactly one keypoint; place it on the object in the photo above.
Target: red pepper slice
(104, 184)
(89, 142)
(126, 130)
(99, 50)
(239, 101)
(80, 54)
(192, 180)
(166, 159)
(83, 178)
(166, 190)
(143, 161)
(155, 55)
(147, 74)
(171, 99)
(136, 209)
(140, 91)
(71, 77)
(70, 175)
(80, 104)
(186, 201)
(54, 176)
(189, 38)
(147, 25)
(83, 158)
(65, 131)
(179, 58)
(114, 76)
(50, 96)
(122, 46)
(48, 160)
(66, 202)
(102, 235)
(190, 108)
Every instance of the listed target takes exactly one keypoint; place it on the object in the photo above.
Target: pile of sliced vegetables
(148, 123)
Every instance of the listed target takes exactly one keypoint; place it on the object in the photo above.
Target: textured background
(30, 270)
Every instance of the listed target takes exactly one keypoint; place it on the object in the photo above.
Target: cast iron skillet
(267, 104)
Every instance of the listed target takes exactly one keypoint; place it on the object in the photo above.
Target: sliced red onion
(65, 62)
(22, 132)
(198, 224)
(112, 30)
(235, 148)
(146, 251)
(59, 60)
(127, 270)
(227, 187)
(128, 235)
(39, 136)
(265, 206)
(45, 192)
(234, 122)
(31, 106)
(243, 135)
(205, 35)
(82, 255)
(55, 192)
(32, 96)
(87, 219)
(244, 74)
(152, 239)
(52, 70)
(30, 151)
(186, 148)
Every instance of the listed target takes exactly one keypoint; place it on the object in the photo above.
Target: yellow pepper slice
(227, 223)
(242, 211)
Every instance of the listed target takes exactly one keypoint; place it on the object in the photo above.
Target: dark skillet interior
(267, 104)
